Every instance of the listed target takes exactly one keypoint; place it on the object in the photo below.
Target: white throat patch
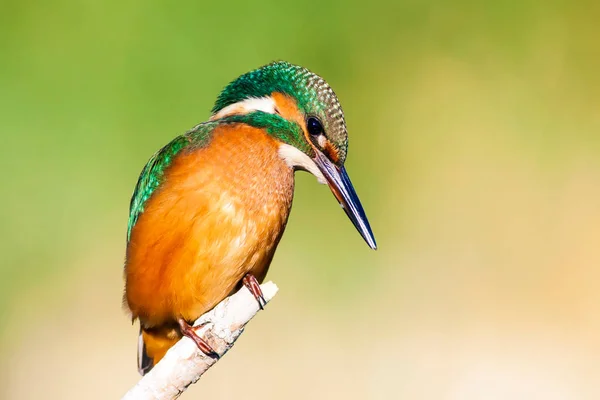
(295, 158)
(264, 104)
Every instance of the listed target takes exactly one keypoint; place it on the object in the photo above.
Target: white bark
(184, 363)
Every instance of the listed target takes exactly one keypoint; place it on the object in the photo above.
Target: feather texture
(218, 214)
(152, 175)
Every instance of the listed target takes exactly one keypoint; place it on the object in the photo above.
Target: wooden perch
(184, 363)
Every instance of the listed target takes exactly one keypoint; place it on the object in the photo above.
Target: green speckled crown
(313, 95)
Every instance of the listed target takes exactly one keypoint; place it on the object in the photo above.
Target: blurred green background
(474, 145)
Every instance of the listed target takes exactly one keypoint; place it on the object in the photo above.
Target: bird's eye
(314, 126)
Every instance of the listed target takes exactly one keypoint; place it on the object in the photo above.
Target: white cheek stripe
(264, 104)
(295, 158)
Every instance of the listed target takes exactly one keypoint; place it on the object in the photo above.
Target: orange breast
(218, 215)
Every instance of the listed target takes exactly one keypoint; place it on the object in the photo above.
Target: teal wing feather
(151, 176)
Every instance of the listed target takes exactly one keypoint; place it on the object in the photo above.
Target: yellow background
(474, 145)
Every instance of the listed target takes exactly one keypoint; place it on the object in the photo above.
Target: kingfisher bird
(210, 207)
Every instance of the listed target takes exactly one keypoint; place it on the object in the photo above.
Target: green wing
(151, 177)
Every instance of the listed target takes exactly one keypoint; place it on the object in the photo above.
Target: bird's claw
(254, 287)
(190, 332)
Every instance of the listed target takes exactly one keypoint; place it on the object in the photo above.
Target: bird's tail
(153, 344)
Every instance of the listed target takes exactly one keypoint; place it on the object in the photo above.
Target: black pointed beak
(342, 189)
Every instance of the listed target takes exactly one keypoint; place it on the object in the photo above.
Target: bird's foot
(190, 332)
(254, 287)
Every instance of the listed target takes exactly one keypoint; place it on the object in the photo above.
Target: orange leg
(254, 287)
(189, 331)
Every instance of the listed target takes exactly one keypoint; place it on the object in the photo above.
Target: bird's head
(302, 112)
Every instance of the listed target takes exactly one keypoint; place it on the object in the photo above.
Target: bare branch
(184, 364)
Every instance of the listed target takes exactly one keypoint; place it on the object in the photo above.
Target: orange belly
(218, 215)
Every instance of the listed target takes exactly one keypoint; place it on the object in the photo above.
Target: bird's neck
(247, 172)
(275, 126)
(277, 114)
